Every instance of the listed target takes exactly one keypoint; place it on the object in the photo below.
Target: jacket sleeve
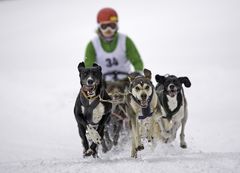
(90, 55)
(133, 55)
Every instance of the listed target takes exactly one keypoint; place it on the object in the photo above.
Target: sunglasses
(111, 25)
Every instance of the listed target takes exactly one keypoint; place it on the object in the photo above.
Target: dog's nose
(171, 87)
(90, 81)
(144, 96)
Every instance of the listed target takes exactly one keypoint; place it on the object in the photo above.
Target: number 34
(111, 62)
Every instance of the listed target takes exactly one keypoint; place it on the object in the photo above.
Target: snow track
(191, 162)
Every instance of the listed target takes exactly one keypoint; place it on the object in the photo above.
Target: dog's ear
(80, 66)
(160, 79)
(185, 81)
(147, 73)
(98, 67)
(133, 75)
(95, 65)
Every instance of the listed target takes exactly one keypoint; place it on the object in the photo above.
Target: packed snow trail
(187, 162)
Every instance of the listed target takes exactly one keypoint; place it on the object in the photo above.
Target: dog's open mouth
(143, 103)
(89, 89)
(172, 93)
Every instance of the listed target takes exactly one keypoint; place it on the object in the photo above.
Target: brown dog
(143, 110)
(118, 118)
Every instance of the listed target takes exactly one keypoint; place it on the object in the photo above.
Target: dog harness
(88, 108)
(112, 61)
(146, 112)
(163, 101)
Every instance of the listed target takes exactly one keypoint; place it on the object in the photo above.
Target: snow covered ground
(41, 44)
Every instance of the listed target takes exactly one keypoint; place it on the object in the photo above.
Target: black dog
(173, 105)
(90, 111)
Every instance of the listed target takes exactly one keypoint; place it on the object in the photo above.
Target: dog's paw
(94, 135)
(150, 139)
(88, 153)
(104, 149)
(134, 155)
(95, 155)
(106, 145)
(183, 145)
(166, 134)
(140, 147)
(115, 140)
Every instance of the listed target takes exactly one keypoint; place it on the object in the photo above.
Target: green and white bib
(112, 61)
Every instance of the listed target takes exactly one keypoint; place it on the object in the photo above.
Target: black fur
(84, 118)
(171, 78)
(163, 89)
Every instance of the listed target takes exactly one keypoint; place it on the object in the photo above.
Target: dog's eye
(175, 81)
(84, 73)
(94, 73)
(147, 87)
(137, 88)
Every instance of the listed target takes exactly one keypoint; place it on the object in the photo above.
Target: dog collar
(88, 97)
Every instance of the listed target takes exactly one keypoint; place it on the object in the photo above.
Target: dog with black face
(173, 105)
(143, 111)
(90, 111)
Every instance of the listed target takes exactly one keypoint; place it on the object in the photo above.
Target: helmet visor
(104, 26)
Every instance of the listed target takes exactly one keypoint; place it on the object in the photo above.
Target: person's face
(108, 29)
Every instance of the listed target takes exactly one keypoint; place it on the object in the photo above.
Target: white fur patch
(98, 113)
(172, 102)
(83, 108)
(93, 134)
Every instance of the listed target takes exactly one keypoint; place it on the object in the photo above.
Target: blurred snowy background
(41, 44)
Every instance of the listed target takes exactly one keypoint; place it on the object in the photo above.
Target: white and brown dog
(143, 110)
(173, 106)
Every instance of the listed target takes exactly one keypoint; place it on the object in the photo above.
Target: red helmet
(107, 15)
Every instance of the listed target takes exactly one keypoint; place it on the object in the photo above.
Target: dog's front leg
(100, 131)
(174, 126)
(183, 143)
(106, 141)
(116, 131)
(136, 139)
(82, 134)
(134, 146)
(93, 134)
(82, 126)
(164, 133)
(148, 128)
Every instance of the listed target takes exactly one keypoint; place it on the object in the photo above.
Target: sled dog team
(155, 113)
